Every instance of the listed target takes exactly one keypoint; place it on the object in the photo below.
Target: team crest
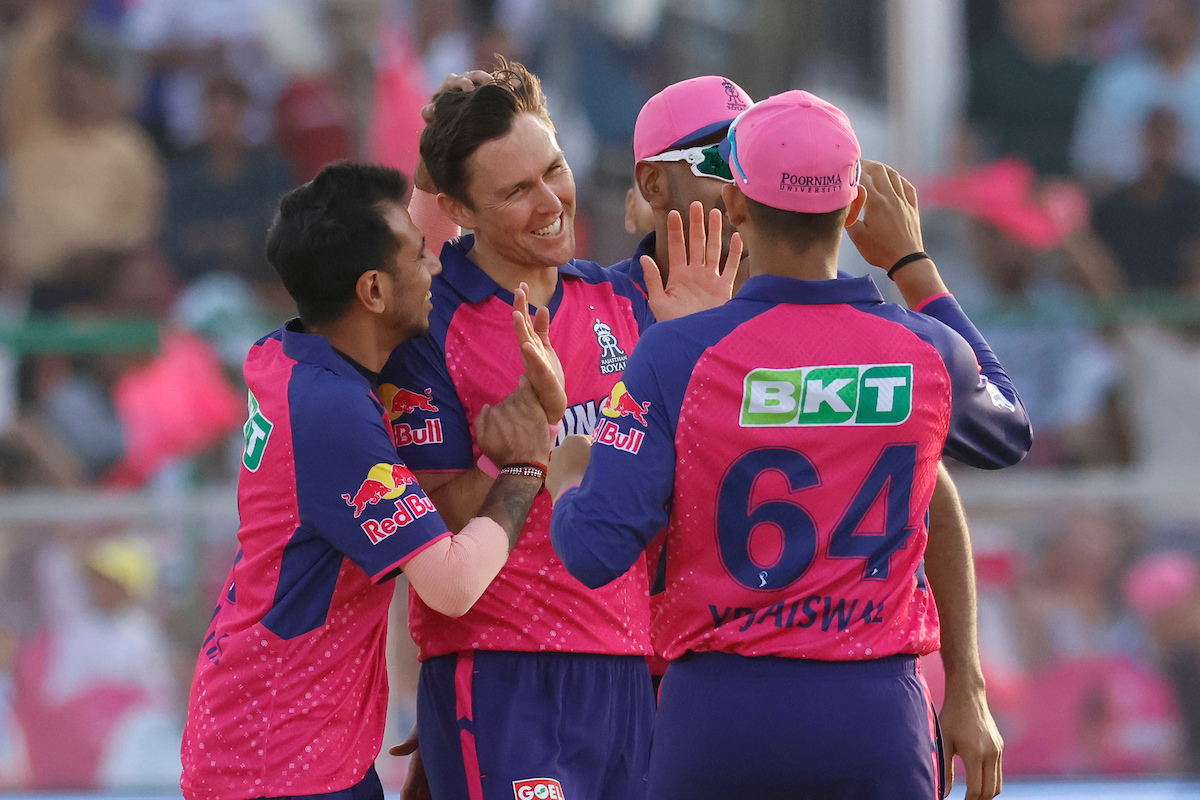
(612, 357)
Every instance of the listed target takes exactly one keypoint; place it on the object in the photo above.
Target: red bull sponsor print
(384, 482)
(399, 401)
(620, 403)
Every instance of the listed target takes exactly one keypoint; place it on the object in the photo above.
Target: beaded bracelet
(525, 469)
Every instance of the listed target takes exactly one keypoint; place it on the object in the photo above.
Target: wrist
(525, 469)
(904, 261)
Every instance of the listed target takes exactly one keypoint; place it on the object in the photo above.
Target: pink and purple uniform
(290, 688)
(789, 442)
(534, 620)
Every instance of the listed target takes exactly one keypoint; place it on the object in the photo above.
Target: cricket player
(290, 688)
(794, 435)
(678, 164)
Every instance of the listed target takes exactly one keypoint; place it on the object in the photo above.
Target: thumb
(407, 747)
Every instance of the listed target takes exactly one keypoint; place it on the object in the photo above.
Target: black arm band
(908, 259)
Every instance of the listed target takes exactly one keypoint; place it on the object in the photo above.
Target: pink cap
(686, 111)
(1160, 582)
(795, 152)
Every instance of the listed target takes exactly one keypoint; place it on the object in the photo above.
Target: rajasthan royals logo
(612, 357)
(736, 103)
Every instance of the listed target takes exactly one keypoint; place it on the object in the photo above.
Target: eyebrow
(504, 191)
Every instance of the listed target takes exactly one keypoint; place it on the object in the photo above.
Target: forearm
(919, 281)
(458, 495)
(950, 570)
(452, 573)
(508, 503)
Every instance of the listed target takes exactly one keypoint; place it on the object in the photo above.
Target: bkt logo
(858, 394)
(538, 789)
(399, 401)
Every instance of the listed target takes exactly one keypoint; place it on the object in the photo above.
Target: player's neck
(542, 281)
(358, 338)
(816, 263)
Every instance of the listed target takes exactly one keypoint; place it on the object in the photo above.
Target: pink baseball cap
(686, 111)
(795, 152)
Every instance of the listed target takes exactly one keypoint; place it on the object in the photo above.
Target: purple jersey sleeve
(945, 309)
(988, 429)
(601, 527)
(352, 489)
(431, 426)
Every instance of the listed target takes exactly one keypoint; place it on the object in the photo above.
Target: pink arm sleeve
(428, 217)
(451, 574)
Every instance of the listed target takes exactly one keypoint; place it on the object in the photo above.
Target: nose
(548, 200)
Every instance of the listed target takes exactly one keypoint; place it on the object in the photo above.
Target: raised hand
(889, 227)
(542, 367)
(515, 429)
(695, 279)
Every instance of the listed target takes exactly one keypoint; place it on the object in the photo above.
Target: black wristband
(908, 259)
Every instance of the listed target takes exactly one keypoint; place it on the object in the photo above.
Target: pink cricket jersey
(434, 387)
(290, 688)
(789, 442)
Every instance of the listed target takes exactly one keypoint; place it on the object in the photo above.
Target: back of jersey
(806, 451)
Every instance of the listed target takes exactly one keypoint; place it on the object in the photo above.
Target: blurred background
(145, 143)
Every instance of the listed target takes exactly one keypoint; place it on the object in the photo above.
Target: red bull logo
(399, 401)
(384, 482)
(621, 404)
(430, 433)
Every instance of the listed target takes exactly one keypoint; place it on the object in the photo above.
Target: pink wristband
(487, 467)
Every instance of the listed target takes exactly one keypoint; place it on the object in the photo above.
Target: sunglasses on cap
(729, 144)
(706, 161)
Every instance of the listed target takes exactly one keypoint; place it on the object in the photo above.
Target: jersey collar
(778, 289)
(310, 348)
(475, 285)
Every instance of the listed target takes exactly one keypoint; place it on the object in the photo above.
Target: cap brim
(701, 133)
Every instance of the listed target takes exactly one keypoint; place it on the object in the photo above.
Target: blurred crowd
(145, 143)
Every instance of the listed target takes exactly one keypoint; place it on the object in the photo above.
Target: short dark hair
(800, 229)
(463, 121)
(330, 231)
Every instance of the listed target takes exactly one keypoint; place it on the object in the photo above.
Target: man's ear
(856, 205)
(457, 211)
(735, 204)
(371, 292)
(651, 180)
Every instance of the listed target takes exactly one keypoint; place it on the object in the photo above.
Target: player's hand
(695, 280)
(969, 732)
(889, 227)
(416, 783)
(568, 462)
(542, 366)
(467, 82)
(515, 429)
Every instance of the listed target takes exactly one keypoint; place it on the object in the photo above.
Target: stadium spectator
(186, 44)
(97, 696)
(84, 183)
(1152, 225)
(1108, 147)
(221, 195)
(1025, 87)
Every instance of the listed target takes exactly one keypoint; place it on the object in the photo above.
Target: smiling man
(290, 688)
(543, 683)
